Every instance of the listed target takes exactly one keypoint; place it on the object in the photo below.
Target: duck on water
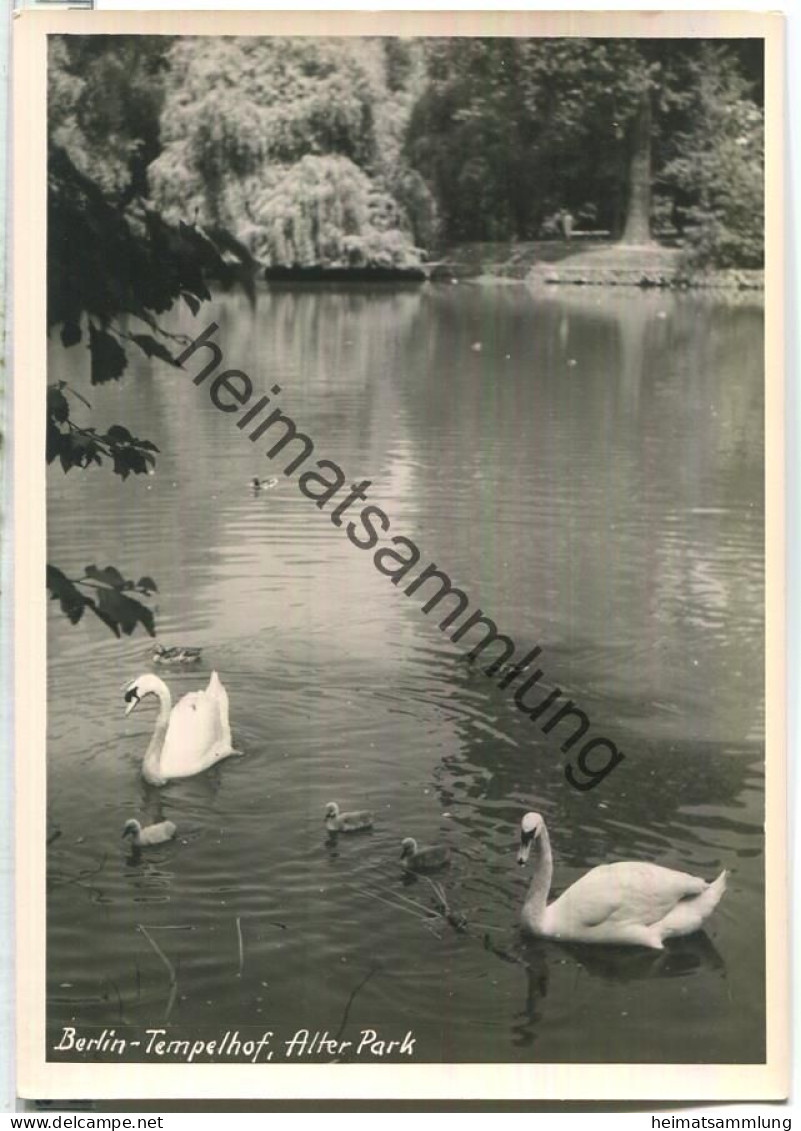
(175, 655)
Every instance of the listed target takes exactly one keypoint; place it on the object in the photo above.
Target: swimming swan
(630, 904)
(152, 834)
(352, 822)
(189, 737)
(423, 859)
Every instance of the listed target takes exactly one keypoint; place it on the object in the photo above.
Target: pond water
(588, 466)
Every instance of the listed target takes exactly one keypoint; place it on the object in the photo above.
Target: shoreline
(581, 262)
(732, 279)
(590, 262)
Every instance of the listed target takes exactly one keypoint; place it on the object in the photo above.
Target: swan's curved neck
(152, 764)
(537, 897)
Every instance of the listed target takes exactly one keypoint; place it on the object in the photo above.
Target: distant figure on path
(566, 219)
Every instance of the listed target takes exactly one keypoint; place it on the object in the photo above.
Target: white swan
(189, 737)
(631, 904)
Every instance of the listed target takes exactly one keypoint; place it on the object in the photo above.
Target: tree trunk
(638, 214)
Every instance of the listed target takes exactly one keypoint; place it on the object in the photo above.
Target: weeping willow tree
(326, 210)
(299, 154)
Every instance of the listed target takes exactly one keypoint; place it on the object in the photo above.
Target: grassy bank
(587, 261)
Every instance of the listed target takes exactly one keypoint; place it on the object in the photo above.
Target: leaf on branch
(70, 334)
(108, 356)
(191, 301)
(118, 612)
(106, 618)
(151, 348)
(121, 612)
(130, 454)
(71, 599)
(57, 404)
(129, 460)
(119, 435)
(83, 445)
(79, 447)
(75, 448)
(108, 576)
(53, 442)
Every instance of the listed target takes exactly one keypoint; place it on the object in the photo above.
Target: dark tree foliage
(110, 256)
(468, 139)
(76, 446)
(106, 94)
(511, 131)
(103, 592)
(714, 157)
(106, 258)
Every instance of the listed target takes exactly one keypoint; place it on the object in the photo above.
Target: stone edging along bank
(678, 278)
(585, 262)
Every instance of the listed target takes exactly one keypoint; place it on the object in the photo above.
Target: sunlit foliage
(294, 145)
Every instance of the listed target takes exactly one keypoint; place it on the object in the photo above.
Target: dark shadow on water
(681, 957)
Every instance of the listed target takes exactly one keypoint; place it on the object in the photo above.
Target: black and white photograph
(405, 545)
